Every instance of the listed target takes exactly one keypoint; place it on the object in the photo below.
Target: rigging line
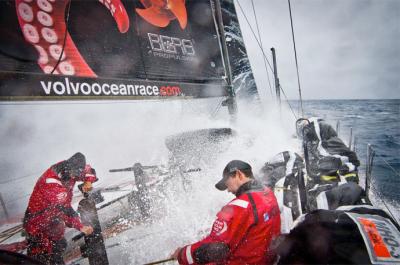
(65, 38)
(392, 168)
(262, 48)
(15, 179)
(287, 100)
(383, 201)
(259, 45)
(10, 230)
(295, 57)
(18, 198)
(216, 110)
(9, 236)
(387, 207)
(219, 105)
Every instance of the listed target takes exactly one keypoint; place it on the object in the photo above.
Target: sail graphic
(118, 49)
(160, 12)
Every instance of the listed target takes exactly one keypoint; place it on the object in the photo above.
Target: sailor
(244, 228)
(332, 179)
(279, 166)
(49, 209)
(348, 235)
(284, 173)
(329, 159)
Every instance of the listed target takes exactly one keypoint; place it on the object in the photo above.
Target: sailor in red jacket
(244, 228)
(49, 209)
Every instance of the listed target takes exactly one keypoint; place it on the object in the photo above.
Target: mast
(230, 102)
(277, 85)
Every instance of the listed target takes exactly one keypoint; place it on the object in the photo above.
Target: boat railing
(337, 126)
(369, 166)
(352, 139)
(370, 185)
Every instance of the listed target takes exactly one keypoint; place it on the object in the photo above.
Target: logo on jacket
(219, 227)
(266, 217)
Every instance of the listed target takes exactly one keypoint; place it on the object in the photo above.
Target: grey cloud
(344, 47)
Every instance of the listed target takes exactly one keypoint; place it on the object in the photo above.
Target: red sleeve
(229, 228)
(73, 221)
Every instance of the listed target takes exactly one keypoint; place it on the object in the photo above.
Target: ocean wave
(354, 116)
(388, 142)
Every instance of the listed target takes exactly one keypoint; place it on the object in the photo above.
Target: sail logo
(67, 87)
(171, 47)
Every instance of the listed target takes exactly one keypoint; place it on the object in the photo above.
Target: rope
(383, 201)
(392, 168)
(15, 179)
(18, 198)
(295, 57)
(4, 235)
(387, 208)
(287, 101)
(259, 45)
(65, 38)
(372, 184)
(262, 48)
(216, 110)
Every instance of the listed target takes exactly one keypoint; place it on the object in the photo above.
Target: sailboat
(147, 50)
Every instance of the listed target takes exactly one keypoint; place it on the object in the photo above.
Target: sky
(347, 49)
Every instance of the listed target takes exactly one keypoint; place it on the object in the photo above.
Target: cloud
(346, 49)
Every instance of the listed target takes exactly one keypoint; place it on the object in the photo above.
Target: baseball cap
(231, 168)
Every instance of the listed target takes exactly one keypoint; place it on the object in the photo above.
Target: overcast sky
(347, 49)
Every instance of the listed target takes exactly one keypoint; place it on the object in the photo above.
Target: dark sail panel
(108, 42)
(187, 48)
(242, 76)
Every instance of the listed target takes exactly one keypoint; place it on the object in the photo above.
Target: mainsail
(114, 49)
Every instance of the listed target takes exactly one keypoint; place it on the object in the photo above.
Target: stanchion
(94, 248)
(159, 261)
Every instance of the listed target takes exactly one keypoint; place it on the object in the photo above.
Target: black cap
(77, 161)
(231, 168)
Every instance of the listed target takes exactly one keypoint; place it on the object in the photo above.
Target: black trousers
(55, 257)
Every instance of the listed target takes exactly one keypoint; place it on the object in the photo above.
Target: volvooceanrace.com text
(68, 88)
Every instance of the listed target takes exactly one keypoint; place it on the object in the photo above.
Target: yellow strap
(350, 175)
(328, 178)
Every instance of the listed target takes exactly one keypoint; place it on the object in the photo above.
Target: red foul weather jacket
(242, 232)
(49, 209)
